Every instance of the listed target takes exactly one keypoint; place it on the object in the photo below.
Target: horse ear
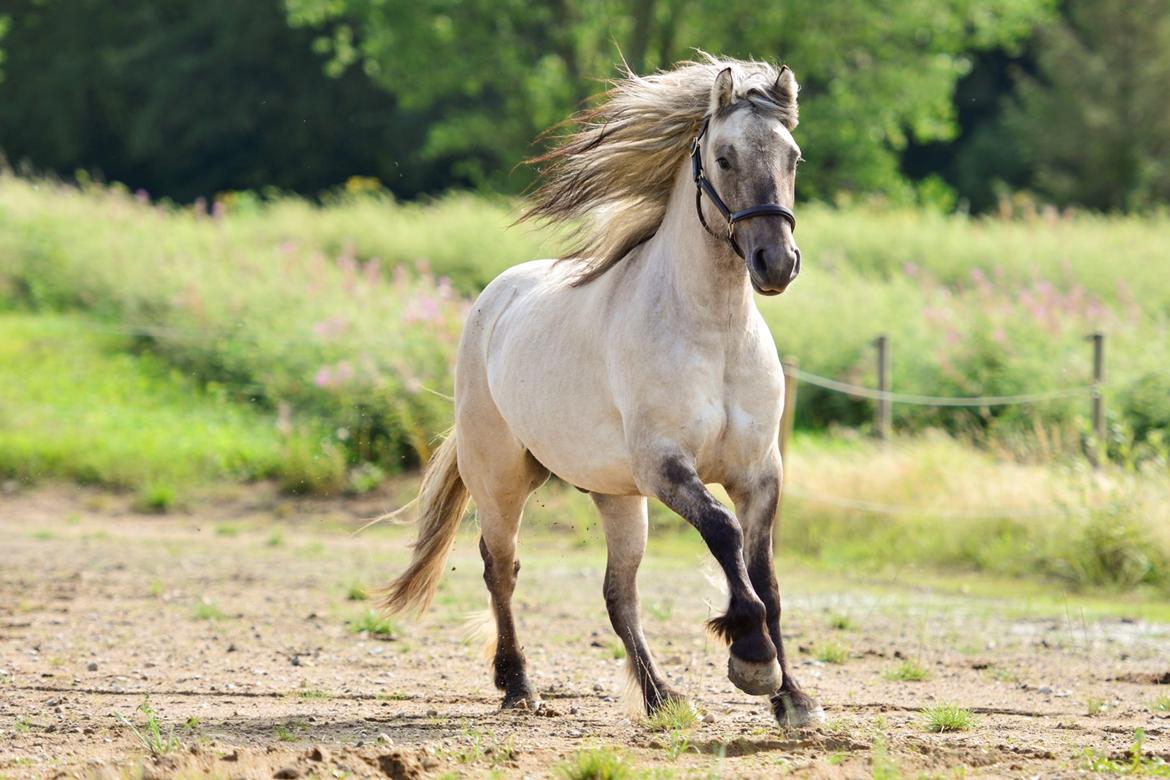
(784, 91)
(722, 91)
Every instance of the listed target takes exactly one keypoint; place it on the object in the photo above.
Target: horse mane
(613, 172)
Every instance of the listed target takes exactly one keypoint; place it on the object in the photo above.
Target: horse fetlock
(755, 678)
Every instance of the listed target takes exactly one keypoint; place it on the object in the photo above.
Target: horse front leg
(752, 665)
(756, 502)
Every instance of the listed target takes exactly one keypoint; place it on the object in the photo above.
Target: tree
(1094, 121)
(192, 97)
(494, 73)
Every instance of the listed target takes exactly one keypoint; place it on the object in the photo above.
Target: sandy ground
(235, 619)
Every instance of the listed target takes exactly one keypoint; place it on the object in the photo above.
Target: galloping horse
(638, 365)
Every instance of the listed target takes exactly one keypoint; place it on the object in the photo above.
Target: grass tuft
(674, 715)
(831, 652)
(372, 623)
(908, 671)
(947, 717)
(598, 764)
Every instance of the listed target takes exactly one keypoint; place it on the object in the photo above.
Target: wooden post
(787, 417)
(1098, 396)
(884, 407)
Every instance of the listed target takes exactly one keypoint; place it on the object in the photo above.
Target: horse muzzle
(772, 268)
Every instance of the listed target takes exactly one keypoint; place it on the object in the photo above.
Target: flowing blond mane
(614, 172)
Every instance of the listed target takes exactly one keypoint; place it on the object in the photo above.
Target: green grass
(150, 735)
(75, 404)
(1139, 764)
(356, 592)
(674, 715)
(947, 717)
(841, 622)
(371, 622)
(206, 610)
(597, 764)
(831, 652)
(1161, 704)
(908, 671)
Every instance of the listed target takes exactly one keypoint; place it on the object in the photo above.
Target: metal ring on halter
(703, 186)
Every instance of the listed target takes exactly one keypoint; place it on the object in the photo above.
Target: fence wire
(937, 400)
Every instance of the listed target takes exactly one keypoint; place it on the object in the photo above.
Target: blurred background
(237, 242)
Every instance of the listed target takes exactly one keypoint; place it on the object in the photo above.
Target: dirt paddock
(243, 623)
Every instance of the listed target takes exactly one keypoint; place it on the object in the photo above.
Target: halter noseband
(704, 186)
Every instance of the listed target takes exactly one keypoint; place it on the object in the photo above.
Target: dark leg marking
(743, 624)
(508, 663)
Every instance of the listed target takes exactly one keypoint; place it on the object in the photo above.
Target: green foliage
(151, 735)
(372, 623)
(495, 74)
(1138, 765)
(141, 94)
(1094, 118)
(831, 652)
(673, 715)
(1146, 404)
(908, 671)
(74, 403)
(598, 764)
(947, 717)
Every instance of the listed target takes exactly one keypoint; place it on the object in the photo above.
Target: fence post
(787, 416)
(1098, 396)
(884, 407)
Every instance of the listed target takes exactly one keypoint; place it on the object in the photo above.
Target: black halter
(704, 186)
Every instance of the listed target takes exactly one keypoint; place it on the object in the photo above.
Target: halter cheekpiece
(703, 186)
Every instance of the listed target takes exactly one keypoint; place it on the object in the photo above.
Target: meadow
(163, 349)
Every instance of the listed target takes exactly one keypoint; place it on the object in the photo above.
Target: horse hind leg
(626, 525)
(500, 485)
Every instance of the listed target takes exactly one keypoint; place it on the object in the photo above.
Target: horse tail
(442, 500)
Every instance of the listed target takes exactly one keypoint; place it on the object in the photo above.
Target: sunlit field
(314, 345)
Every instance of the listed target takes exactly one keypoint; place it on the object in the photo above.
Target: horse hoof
(521, 702)
(795, 709)
(755, 679)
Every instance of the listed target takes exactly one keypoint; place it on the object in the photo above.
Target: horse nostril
(796, 262)
(759, 262)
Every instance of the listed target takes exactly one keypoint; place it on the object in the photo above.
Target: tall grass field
(155, 347)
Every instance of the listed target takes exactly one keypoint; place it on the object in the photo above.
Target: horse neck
(703, 275)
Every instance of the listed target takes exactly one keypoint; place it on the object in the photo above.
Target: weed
(1094, 706)
(1139, 763)
(44, 535)
(841, 622)
(151, 735)
(947, 717)
(155, 590)
(832, 653)
(227, 530)
(356, 593)
(22, 725)
(290, 731)
(372, 623)
(617, 650)
(908, 671)
(1162, 704)
(678, 743)
(882, 767)
(275, 539)
(206, 610)
(157, 497)
(598, 764)
(312, 693)
(674, 715)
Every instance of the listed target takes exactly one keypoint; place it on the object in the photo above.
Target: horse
(637, 365)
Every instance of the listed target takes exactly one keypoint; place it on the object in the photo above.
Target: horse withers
(638, 366)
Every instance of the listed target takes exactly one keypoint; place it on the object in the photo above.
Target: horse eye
(723, 164)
